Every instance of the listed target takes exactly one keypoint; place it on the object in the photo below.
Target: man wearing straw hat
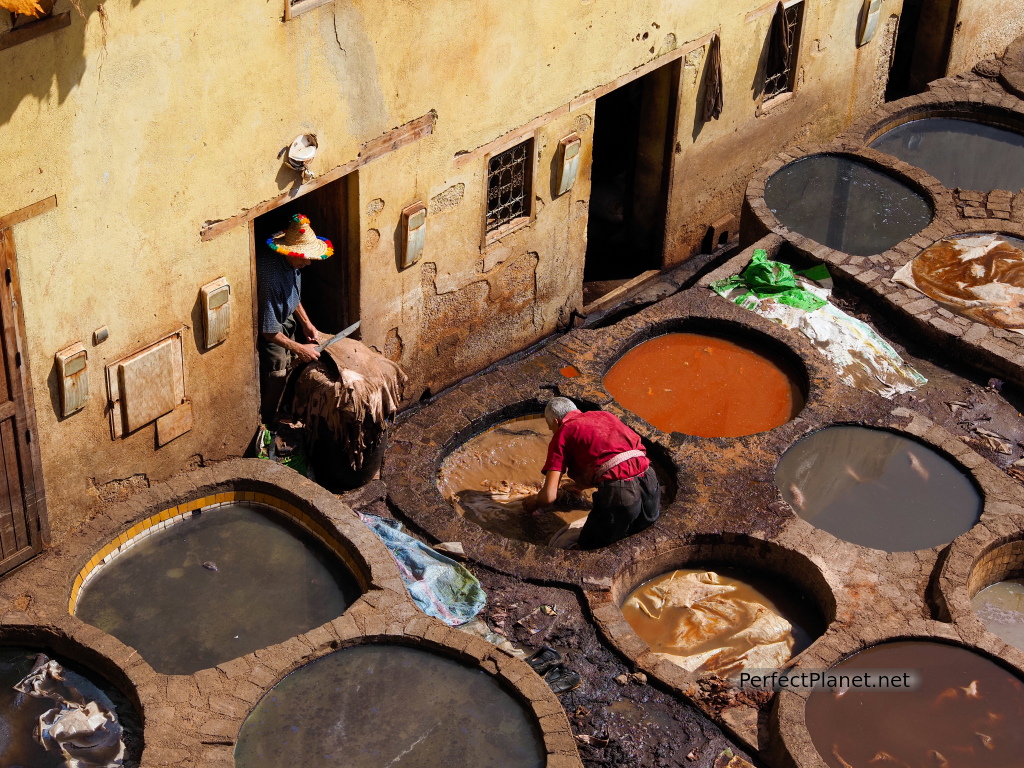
(279, 290)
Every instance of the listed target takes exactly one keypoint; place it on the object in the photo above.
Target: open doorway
(633, 130)
(330, 288)
(923, 45)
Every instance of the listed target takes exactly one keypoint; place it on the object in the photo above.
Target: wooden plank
(28, 212)
(29, 460)
(9, 445)
(618, 294)
(8, 410)
(402, 136)
(35, 29)
(517, 135)
(8, 541)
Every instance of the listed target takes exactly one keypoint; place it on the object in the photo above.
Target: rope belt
(615, 460)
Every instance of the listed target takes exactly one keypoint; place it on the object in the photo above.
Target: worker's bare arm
(547, 494)
(304, 322)
(306, 353)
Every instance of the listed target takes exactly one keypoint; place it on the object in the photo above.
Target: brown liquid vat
(790, 571)
(768, 355)
(793, 744)
(473, 460)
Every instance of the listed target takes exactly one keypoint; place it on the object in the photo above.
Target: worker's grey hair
(556, 409)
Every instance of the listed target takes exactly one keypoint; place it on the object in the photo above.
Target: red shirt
(586, 440)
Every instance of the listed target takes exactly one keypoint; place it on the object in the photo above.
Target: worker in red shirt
(598, 450)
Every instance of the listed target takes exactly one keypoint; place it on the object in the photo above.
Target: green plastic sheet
(764, 278)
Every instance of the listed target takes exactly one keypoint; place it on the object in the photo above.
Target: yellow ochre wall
(150, 118)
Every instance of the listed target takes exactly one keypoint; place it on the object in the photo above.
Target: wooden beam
(35, 29)
(28, 212)
(376, 148)
(507, 140)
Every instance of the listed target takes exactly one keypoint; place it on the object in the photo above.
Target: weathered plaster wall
(983, 28)
(149, 118)
(836, 81)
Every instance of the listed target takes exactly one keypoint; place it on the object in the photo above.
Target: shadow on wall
(31, 68)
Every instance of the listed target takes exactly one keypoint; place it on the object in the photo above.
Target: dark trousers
(621, 508)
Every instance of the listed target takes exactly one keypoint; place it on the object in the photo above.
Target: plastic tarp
(438, 585)
(87, 734)
(979, 277)
(861, 357)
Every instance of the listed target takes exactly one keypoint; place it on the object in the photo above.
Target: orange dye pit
(569, 372)
(704, 386)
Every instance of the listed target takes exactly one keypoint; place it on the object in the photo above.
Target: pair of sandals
(548, 663)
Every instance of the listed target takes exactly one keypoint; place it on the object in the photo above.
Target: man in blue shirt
(281, 314)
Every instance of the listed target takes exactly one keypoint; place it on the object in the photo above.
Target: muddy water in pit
(877, 489)
(488, 477)
(1001, 607)
(846, 205)
(383, 705)
(704, 386)
(959, 153)
(19, 714)
(273, 581)
(966, 713)
(721, 621)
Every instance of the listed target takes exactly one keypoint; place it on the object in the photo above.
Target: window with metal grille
(783, 44)
(509, 187)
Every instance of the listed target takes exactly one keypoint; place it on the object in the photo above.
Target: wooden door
(22, 504)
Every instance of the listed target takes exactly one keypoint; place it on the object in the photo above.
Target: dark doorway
(633, 130)
(922, 46)
(330, 288)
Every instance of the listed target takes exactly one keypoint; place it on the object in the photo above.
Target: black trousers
(621, 508)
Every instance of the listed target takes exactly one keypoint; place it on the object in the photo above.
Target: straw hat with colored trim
(300, 241)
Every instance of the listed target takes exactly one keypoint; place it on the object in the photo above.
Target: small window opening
(509, 186)
(782, 50)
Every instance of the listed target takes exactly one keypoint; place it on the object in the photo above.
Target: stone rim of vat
(792, 743)
(197, 717)
(96, 661)
(412, 466)
(990, 484)
(759, 218)
(418, 441)
(778, 347)
(736, 551)
(993, 552)
(514, 676)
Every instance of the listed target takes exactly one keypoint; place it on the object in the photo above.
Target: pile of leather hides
(88, 735)
(980, 277)
(706, 622)
(355, 392)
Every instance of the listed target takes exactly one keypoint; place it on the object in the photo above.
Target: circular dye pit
(979, 276)
(966, 712)
(487, 479)
(217, 586)
(959, 153)
(721, 621)
(19, 713)
(1001, 607)
(877, 489)
(373, 706)
(705, 386)
(846, 204)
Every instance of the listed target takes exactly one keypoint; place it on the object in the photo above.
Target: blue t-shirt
(278, 289)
